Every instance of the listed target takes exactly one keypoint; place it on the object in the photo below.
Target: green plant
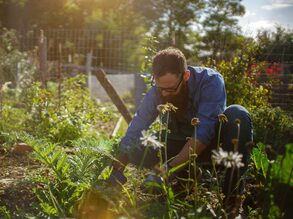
(273, 175)
(69, 174)
(272, 126)
(4, 212)
(62, 116)
(150, 48)
(15, 66)
(241, 85)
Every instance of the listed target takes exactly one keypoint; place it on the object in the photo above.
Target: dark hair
(170, 60)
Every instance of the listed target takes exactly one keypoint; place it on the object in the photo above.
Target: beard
(180, 100)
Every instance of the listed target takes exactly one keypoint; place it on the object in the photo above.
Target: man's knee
(239, 126)
(237, 114)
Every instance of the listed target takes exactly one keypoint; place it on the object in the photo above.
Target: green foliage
(171, 21)
(61, 115)
(283, 166)
(69, 174)
(260, 159)
(272, 126)
(221, 30)
(273, 43)
(273, 174)
(4, 212)
(15, 66)
(150, 48)
(11, 118)
(8, 139)
(240, 82)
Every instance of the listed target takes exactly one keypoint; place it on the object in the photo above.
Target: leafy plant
(15, 66)
(275, 175)
(4, 212)
(272, 126)
(241, 85)
(62, 116)
(69, 174)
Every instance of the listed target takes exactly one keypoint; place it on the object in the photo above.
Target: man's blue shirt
(206, 100)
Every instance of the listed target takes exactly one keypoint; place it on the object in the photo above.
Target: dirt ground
(16, 186)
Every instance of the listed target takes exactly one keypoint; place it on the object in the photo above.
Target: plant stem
(219, 135)
(238, 135)
(194, 164)
(166, 139)
(143, 157)
(160, 140)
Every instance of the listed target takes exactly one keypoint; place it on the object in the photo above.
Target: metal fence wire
(117, 51)
(70, 51)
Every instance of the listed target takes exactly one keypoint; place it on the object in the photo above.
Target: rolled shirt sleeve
(143, 118)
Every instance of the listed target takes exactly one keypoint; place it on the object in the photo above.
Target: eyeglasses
(169, 89)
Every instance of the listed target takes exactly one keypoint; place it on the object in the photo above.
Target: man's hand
(186, 152)
(164, 171)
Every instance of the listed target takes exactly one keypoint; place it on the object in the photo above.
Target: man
(196, 92)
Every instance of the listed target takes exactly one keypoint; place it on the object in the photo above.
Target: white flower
(218, 156)
(228, 159)
(149, 140)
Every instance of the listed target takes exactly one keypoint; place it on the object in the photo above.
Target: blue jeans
(142, 158)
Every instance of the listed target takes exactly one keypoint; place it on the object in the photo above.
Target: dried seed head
(194, 155)
(168, 107)
(195, 121)
(237, 121)
(222, 118)
(160, 108)
(235, 141)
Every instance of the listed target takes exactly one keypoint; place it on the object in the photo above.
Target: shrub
(241, 85)
(61, 116)
(15, 66)
(272, 126)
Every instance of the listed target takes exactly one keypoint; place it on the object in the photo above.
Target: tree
(171, 21)
(275, 46)
(26, 14)
(220, 27)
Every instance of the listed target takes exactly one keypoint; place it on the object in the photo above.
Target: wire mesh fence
(66, 52)
(117, 51)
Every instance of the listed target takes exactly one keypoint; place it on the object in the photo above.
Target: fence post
(1, 100)
(101, 76)
(59, 73)
(88, 67)
(43, 58)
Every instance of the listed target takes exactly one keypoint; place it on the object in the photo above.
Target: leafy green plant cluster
(241, 85)
(15, 66)
(272, 126)
(60, 114)
(69, 174)
(64, 115)
(274, 177)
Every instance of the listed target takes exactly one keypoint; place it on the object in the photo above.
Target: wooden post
(101, 76)
(88, 68)
(59, 73)
(1, 100)
(43, 58)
